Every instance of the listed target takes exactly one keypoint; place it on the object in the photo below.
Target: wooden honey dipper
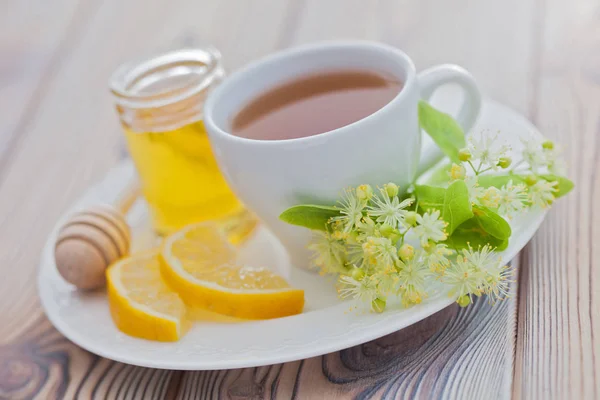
(92, 239)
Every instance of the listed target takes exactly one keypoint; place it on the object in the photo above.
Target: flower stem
(472, 167)
(485, 170)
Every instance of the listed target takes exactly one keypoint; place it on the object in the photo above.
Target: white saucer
(326, 325)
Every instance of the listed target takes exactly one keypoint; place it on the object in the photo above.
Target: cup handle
(430, 80)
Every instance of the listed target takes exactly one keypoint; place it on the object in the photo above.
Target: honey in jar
(159, 101)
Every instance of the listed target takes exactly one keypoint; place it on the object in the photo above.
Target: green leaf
(470, 233)
(486, 227)
(457, 207)
(430, 197)
(564, 184)
(443, 129)
(499, 180)
(492, 223)
(452, 202)
(309, 216)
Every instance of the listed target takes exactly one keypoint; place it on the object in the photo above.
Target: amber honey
(159, 102)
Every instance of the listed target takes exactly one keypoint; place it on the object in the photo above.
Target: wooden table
(59, 133)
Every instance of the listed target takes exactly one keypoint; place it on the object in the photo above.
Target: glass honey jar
(159, 102)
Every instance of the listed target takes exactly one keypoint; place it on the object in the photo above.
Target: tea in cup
(300, 126)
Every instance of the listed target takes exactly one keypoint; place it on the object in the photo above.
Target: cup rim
(252, 68)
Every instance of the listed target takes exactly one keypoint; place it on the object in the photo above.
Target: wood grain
(541, 57)
(558, 352)
(31, 58)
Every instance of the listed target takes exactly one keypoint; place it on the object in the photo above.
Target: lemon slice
(141, 303)
(200, 264)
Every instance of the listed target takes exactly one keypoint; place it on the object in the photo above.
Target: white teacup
(270, 176)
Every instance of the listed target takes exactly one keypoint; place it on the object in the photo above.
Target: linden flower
(412, 279)
(329, 253)
(367, 227)
(430, 227)
(339, 235)
(557, 166)
(483, 259)
(463, 278)
(387, 279)
(389, 210)
(351, 210)
(490, 270)
(475, 191)
(355, 254)
(436, 257)
(364, 290)
(490, 197)
(554, 161)
(533, 154)
(380, 250)
(457, 172)
(513, 199)
(498, 280)
(486, 151)
(542, 193)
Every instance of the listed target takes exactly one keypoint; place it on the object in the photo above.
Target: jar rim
(201, 66)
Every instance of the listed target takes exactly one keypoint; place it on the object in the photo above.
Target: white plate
(326, 325)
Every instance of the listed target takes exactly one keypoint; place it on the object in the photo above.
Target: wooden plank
(559, 313)
(43, 364)
(29, 58)
(503, 60)
(473, 34)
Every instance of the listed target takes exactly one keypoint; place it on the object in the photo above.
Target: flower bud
(406, 252)
(378, 304)
(548, 145)
(385, 229)
(391, 189)
(389, 232)
(395, 236)
(457, 172)
(357, 274)
(464, 301)
(364, 192)
(504, 162)
(464, 155)
(410, 218)
(531, 180)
